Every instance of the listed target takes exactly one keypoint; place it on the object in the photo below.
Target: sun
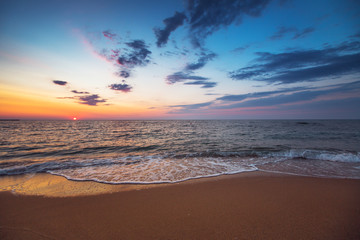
(74, 118)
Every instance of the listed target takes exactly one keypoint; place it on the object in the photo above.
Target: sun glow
(74, 118)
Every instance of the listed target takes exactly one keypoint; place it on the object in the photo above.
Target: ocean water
(171, 151)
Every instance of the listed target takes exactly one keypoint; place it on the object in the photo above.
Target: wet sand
(242, 206)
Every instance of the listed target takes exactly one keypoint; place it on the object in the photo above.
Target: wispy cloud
(303, 33)
(276, 99)
(110, 35)
(302, 65)
(296, 33)
(203, 84)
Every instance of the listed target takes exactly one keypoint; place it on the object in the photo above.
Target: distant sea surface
(172, 151)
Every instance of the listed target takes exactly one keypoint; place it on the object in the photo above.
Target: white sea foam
(176, 168)
(156, 170)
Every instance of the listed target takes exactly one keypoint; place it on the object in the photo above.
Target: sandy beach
(243, 206)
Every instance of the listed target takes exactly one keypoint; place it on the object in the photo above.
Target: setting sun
(74, 118)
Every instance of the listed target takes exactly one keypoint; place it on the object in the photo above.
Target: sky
(180, 59)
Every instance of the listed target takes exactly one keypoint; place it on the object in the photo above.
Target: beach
(251, 205)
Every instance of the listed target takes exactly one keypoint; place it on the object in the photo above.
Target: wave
(170, 168)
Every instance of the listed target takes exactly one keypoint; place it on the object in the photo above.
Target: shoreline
(249, 205)
(52, 185)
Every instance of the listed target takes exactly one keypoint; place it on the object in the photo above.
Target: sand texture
(231, 207)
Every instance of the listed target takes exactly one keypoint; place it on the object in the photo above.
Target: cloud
(241, 97)
(201, 62)
(58, 82)
(188, 72)
(123, 73)
(240, 49)
(137, 55)
(297, 96)
(108, 34)
(77, 92)
(302, 65)
(122, 87)
(191, 106)
(182, 76)
(91, 99)
(207, 16)
(204, 84)
(303, 33)
(171, 24)
(125, 56)
(283, 31)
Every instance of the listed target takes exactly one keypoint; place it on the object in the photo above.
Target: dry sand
(242, 206)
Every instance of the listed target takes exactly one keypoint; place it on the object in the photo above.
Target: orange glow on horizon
(24, 104)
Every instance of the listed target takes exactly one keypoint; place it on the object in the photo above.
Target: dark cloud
(208, 16)
(171, 24)
(138, 54)
(77, 92)
(302, 65)
(205, 58)
(122, 87)
(123, 73)
(204, 84)
(91, 100)
(108, 34)
(183, 76)
(58, 82)
(283, 31)
(125, 56)
(187, 73)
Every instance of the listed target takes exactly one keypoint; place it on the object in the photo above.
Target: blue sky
(180, 59)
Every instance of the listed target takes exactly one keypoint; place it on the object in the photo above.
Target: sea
(169, 151)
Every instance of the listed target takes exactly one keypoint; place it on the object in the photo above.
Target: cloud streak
(59, 82)
(296, 33)
(302, 65)
(79, 92)
(297, 96)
